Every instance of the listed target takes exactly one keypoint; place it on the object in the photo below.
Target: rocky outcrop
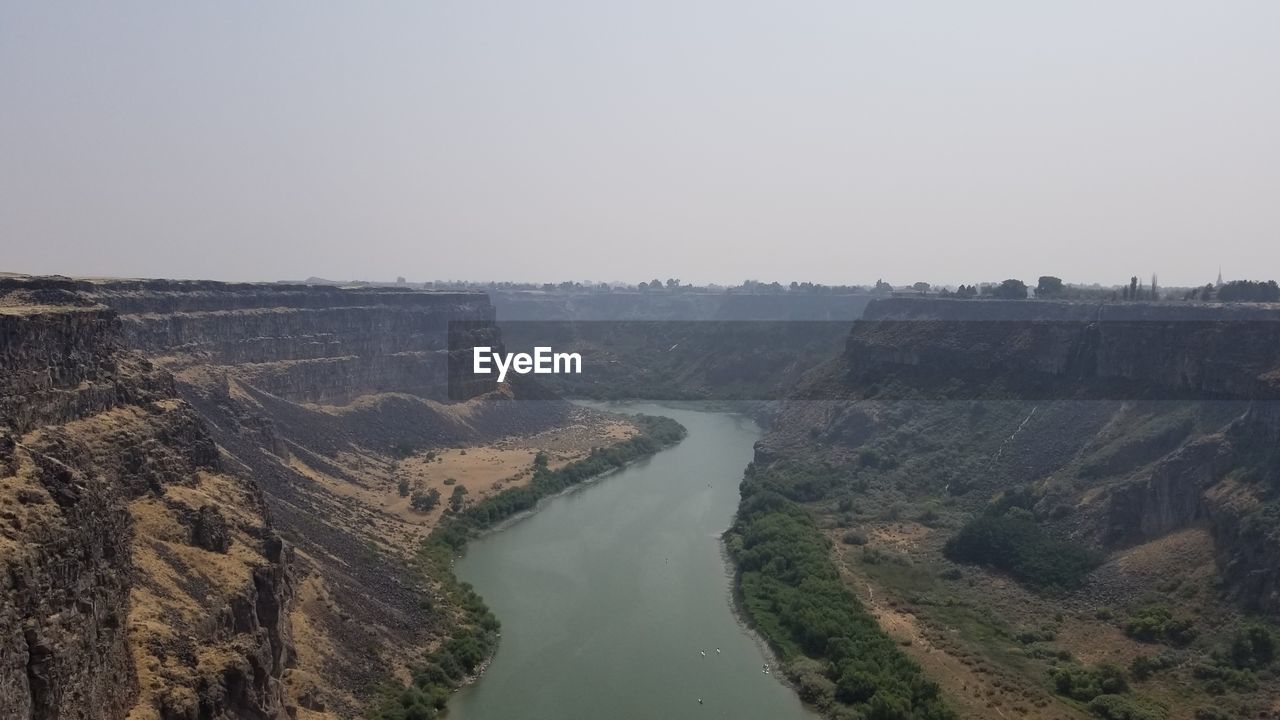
(316, 393)
(1123, 422)
(1056, 350)
(109, 604)
(300, 343)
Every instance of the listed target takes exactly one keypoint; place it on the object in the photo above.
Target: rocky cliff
(1015, 489)
(300, 343)
(1126, 421)
(196, 482)
(143, 577)
(319, 393)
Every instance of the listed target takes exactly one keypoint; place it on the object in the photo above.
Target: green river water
(610, 595)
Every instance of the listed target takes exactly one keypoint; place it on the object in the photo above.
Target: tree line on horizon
(1046, 287)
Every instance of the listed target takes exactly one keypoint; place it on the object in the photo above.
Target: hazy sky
(709, 140)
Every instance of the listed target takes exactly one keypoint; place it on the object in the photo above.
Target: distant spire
(1219, 283)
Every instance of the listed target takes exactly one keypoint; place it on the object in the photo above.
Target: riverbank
(831, 648)
(472, 627)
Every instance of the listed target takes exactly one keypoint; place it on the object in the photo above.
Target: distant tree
(673, 283)
(1206, 293)
(921, 287)
(540, 461)
(1155, 287)
(1249, 291)
(1011, 290)
(1049, 286)
(966, 291)
(455, 499)
(642, 286)
(883, 287)
(1133, 288)
(655, 284)
(425, 501)
(403, 487)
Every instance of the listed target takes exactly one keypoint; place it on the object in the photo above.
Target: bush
(1252, 647)
(794, 595)
(1015, 543)
(457, 497)
(1121, 707)
(1156, 623)
(1084, 684)
(1144, 666)
(425, 501)
(854, 537)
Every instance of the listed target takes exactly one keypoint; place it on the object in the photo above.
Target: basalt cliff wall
(301, 343)
(194, 489)
(1124, 422)
(143, 576)
(318, 393)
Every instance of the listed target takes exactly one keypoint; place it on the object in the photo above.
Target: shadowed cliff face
(1121, 424)
(317, 393)
(141, 574)
(300, 343)
(148, 426)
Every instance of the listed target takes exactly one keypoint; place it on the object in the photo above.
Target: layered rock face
(143, 578)
(1125, 422)
(1125, 351)
(300, 343)
(317, 393)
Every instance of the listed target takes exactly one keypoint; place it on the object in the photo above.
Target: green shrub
(1015, 543)
(795, 597)
(1144, 666)
(1252, 647)
(1156, 623)
(425, 501)
(1084, 684)
(1122, 707)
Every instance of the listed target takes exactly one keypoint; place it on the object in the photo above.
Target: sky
(708, 140)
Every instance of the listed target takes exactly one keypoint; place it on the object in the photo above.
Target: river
(615, 599)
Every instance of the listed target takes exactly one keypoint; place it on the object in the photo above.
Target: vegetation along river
(615, 600)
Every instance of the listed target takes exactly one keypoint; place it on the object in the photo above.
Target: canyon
(207, 490)
(199, 492)
(1139, 437)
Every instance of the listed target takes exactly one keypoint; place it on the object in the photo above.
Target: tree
(1249, 291)
(425, 501)
(455, 499)
(883, 287)
(1133, 288)
(1049, 286)
(1011, 290)
(672, 283)
(921, 287)
(403, 487)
